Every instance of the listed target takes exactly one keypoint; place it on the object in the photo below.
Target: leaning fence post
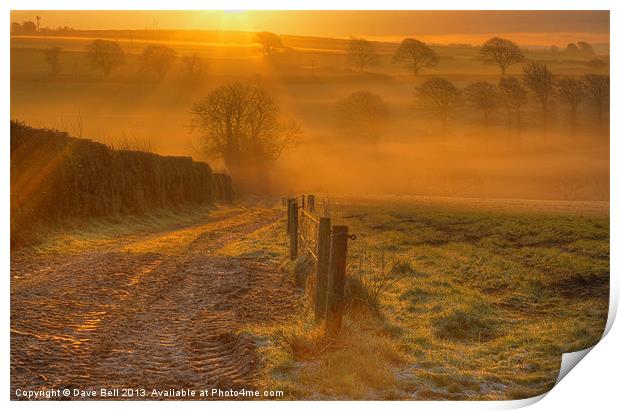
(293, 232)
(336, 278)
(311, 202)
(322, 267)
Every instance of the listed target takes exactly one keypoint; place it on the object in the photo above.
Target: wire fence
(308, 233)
(373, 267)
(327, 245)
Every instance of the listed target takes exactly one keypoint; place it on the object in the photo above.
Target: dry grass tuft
(474, 320)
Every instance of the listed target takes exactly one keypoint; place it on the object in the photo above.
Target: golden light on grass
(494, 231)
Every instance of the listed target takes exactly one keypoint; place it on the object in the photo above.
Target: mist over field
(411, 154)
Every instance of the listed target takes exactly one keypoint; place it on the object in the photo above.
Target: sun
(235, 20)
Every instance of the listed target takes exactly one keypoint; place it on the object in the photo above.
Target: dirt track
(162, 310)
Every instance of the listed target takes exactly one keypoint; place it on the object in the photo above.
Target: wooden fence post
(288, 216)
(322, 268)
(311, 203)
(336, 278)
(303, 201)
(293, 232)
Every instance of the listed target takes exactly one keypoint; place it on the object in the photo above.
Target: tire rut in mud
(119, 320)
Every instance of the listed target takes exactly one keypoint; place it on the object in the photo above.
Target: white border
(592, 385)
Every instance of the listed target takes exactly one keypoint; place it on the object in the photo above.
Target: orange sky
(526, 27)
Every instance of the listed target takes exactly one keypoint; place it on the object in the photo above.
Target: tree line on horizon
(416, 55)
(361, 54)
(155, 60)
(363, 113)
(438, 94)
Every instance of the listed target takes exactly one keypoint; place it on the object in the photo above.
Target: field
(489, 299)
(492, 293)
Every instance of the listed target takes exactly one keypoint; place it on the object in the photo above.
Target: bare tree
(514, 97)
(52, 58)
(241, 124)
(105, 55)
(361, 53)
(415, 55)
(502, 52)
(270, 42)
(439, 95)
(539, 81)
(483, 96)
(157, 59)
(362, 115)
(572, 91)
(192, 68)
(597, 90)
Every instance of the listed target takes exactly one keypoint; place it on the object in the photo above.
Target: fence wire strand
(308, 232)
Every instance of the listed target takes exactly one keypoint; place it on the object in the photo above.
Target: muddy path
(159, 310)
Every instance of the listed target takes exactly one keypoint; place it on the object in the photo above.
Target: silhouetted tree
(580, 50)
(361, 54)
(586, 49)
(597, 90)
(572, 49)
(16, 28)
(502, 52)
(157, 59)
(483, 96)
(241, 124)
(415, 55)
(52, 58)
(514, 97)
(105, 55)
(270, 42)
(439, 95)
(27, 27)
(192, 68)
(362, 115)
(539, 81)
(572, 91)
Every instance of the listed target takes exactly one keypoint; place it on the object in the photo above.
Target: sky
(527, 27)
